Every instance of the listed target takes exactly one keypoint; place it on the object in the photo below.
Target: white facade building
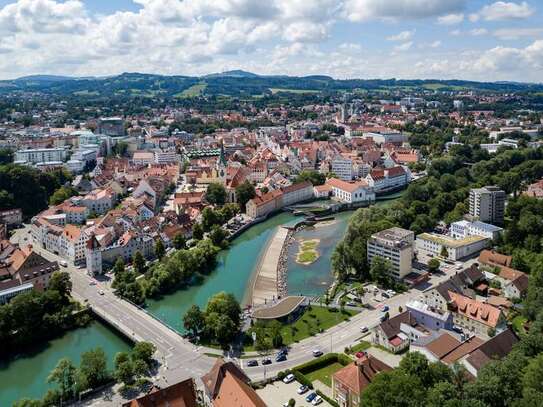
(396, 245)
(464, 228)
(40, 155)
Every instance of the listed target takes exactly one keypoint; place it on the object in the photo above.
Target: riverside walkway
(266, 284)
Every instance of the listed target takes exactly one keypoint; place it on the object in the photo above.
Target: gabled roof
(182, 394)
(495, 348)
(213, 379)
(476, 310)
(358, 375)
(391, 327)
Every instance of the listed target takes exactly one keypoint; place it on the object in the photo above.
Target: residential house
(396, 333)
(463, 283)
(474, 316)
(495, 348)
(349, 382)
(182, 394)
(226, 385)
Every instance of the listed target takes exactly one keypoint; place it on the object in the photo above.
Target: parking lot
(279, 393)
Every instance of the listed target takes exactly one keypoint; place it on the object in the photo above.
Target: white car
(364, 329)
(63, 263)
(101, 292)
(289, 378)
(317, 400)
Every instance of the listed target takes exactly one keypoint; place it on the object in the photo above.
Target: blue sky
(477, 40)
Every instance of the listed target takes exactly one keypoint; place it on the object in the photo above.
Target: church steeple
(222, 157)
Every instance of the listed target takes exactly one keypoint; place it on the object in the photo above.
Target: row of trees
(219, 323)
(131, 368)
(173, 271)
(34, 316)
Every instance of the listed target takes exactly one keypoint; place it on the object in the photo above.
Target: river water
(25, 376)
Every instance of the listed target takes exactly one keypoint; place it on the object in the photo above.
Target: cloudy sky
(465, 39)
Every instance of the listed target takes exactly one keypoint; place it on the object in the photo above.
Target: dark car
(310, 397)
(252, 363)
(281, 358)
(266, 361)
(383, 318)
(283, 351)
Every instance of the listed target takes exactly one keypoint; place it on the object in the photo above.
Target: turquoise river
(26, 374)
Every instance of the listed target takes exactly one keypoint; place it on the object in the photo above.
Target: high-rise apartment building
(487, 204)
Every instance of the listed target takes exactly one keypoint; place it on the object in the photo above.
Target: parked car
(457, 329)
(63, 263)
(352, 304)
(310, 397)
(317, 400)
(92, 283)
(392, 293)
(101, 292)
(364, 329)
(302, 389)
(281, 358)
(289, 378)
(266, 361)
(383, 318)
(317, 353)
(384, 294)
(385, 308)
(252, 363)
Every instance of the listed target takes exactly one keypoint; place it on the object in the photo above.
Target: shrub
(302, 379)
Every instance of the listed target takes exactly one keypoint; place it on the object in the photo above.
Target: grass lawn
(277, 90)
(309, 324)
(194, 90)
(324, 374)
(307, 256)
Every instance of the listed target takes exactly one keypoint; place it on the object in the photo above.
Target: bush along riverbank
(34, 317)
(132, 370)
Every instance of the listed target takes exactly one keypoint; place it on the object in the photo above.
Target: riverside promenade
(266, 283)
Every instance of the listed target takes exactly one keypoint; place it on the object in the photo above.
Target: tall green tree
(64, 374)
(244, 193)
(138, 261)
(160, 251)
(93, 368)
(216, 194)
(194, 320)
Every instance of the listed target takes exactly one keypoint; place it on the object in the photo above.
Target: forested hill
(234, 83)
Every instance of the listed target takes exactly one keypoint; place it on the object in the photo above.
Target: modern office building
(464, 228)
(487, 204)
(111, 126)
(40, 155)
(396, 245)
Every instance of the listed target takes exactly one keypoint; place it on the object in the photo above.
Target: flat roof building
(396, 245)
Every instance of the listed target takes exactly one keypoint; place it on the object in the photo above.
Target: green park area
(314, 320)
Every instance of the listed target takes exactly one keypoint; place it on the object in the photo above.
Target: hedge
(328, 399)
(323, 361)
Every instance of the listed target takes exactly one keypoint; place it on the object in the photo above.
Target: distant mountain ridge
(236, 83)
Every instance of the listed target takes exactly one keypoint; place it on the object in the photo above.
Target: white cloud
(451, 19)
(456, 33)
(435, 44)
(403, 47)
(43, 16)
(403, 36)
(516, 33)
(502, 10)
(361, 10)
